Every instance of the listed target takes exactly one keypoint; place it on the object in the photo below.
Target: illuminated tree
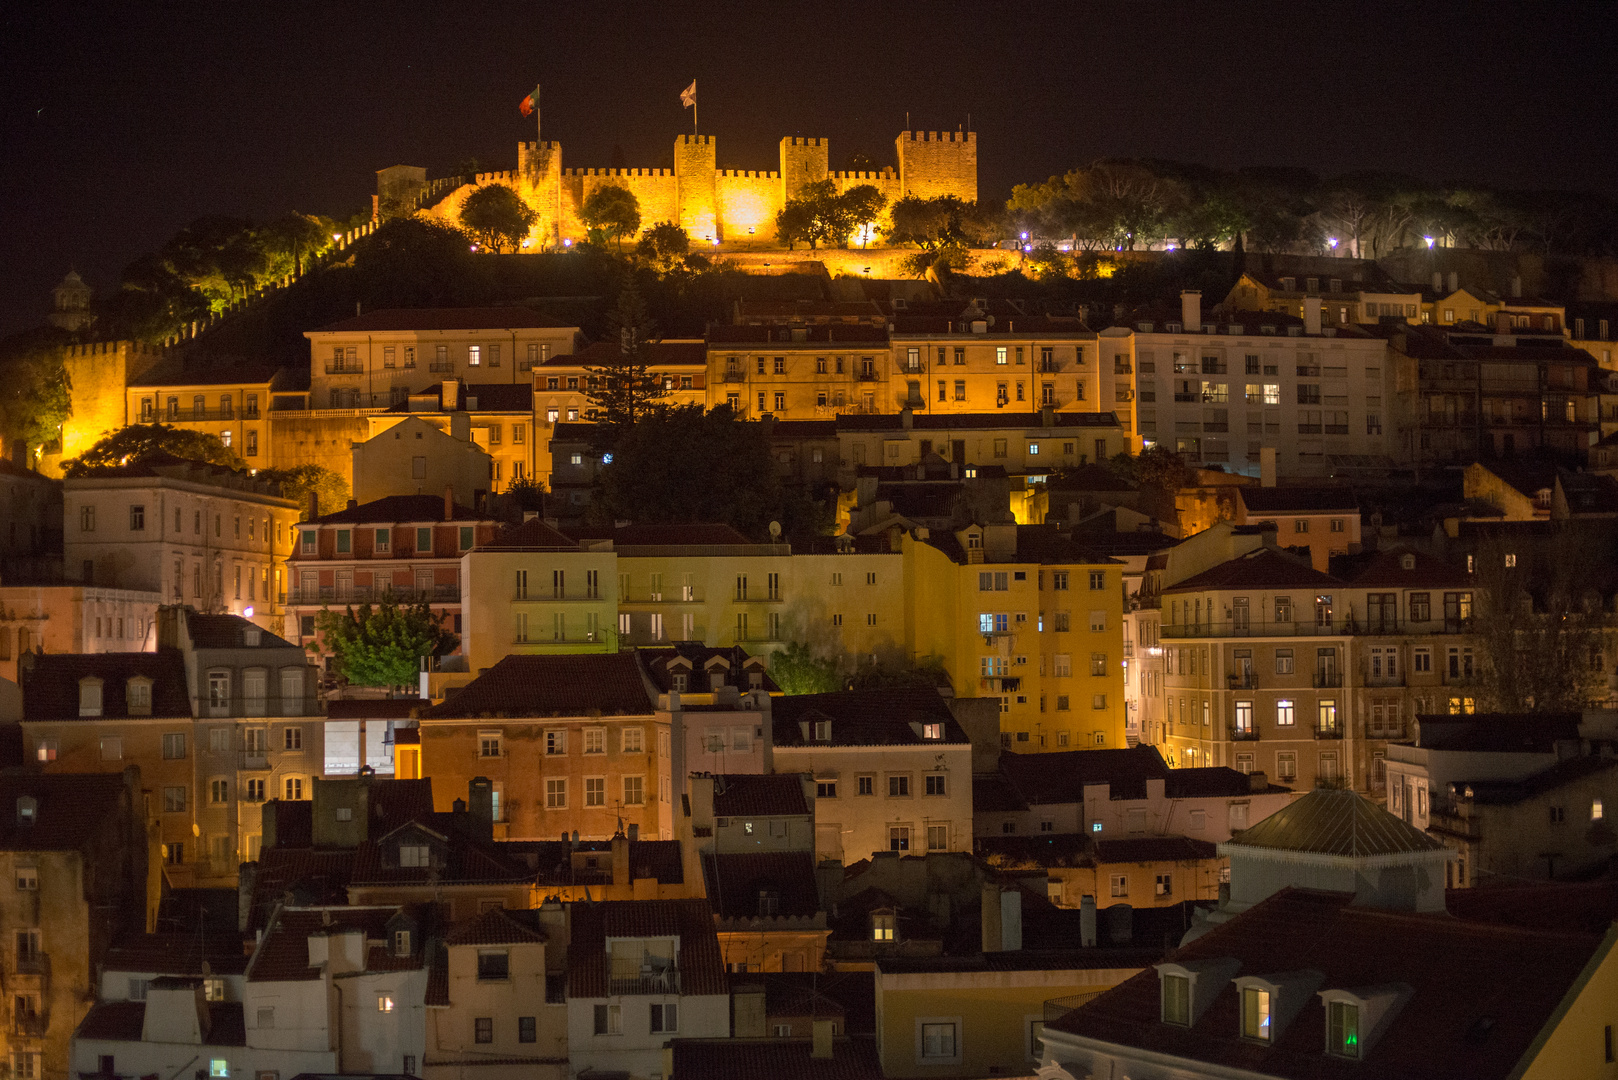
(497, 218)
(140, 442)
(612, 210)
(383, 645)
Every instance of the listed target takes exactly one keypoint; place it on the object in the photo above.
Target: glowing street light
(1331, 242)
(247, 612)
(1429, 240)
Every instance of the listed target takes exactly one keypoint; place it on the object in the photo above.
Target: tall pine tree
(624, 391)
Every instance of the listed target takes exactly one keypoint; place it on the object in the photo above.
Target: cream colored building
(378, 359)
(497, 418)
(233, 402)
(73, 619)
(802, 372)
(192, 532)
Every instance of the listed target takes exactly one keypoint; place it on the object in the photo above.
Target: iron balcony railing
(1246, 681)
(1328, 731)
(734, 375)
(655, 982)
(1238, 734)
(1328, 679)
(331, 594)
(344, 369)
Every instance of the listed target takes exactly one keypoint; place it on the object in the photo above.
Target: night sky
(120, 122)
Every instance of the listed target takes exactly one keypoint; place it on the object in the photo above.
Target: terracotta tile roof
(50, 683)
(854, 993)
(825, 336)
(865, 718)
(612, 684)
(734, 881)
(374, 708)
(409, 736)
(227, 632)
(744, 795)
(1211, 781)
(1060, 777)
(310, 877)
(1047, 850)
(997, 421)
(396, 509)
(994, 794)
(738, 672)
(469, 318)
(1386, 570)
(1512, 791)
(797, 998)
(1338, 823)
(1520, 733)
(437, 993)
(1144, 849)
(778, 1059)
(533, 533)
(70, 809)
(467, 861)
(552, 861)
(498, 926)
(114, 1021)
(1265, 568)
(1481, 993)
(175, 371)
(283, 955)
(489, 398)
(179, 953)
(702, 968)
(1587, 907)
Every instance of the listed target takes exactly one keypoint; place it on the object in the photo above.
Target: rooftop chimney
(1002, 919)
(620, 858)
(1438, 282)
(1311, 315)
(907, 418)
(820, 1048)
(450, 396)
(1516, 286)
(1087, 921)
(314, 504)
(449, 503)
(1266, 466)
(1191, 310)
(1454, 281)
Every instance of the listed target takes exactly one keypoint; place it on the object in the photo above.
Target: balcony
(866, 376)
(1325, 680)
(1253, 628)
(647, 982)
(193, 415)
(345, 368)
(442, 367)
(735, 375)
(1056, 1008)
(1334, 731)
(1000, 683)
(912, 369)
(31, 1026)
(1246, 681)
(330, 594)
(1243, 734)
(36, 964)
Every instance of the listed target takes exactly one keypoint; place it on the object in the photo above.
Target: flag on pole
(688, 96)
(529, 103)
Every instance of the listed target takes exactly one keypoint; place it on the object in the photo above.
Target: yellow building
(802, 372)
(233, 402)
(1022, 614)
(498, 417)
(1341, 299)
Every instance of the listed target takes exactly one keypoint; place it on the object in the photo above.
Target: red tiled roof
(374, 708)
(658, 354)
(469, 318)
(743, 795)
(553, 864)
(498, 926)
(394, 509)
(1265, 568)
(178, 953)
(666, 534)
(1386, 570)
(1590, 906)
(283, 955)
(735, 880)
(825, 335)
(50, 683)
(865, 718)
(533, 533)
(702, 968)
(226, 632)
(317, 877)
(518, 686)
(1060, 777)
(70, 809)
(489, 397)
(736, 673)
(1298, 500)
(1481, 993)
(777, 1059)
(466, 861)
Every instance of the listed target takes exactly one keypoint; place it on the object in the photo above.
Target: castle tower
(70, 303)
(540, 166)
(695, 166)
(934, 163)
(803, 162)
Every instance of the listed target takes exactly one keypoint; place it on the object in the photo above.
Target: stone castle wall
(723, 205)
(97, 374)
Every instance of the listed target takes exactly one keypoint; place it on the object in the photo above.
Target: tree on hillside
(138, 442)
(496, 217)
(624, 391)
(665, 245)
(1156, 465)
(294, 238)
(34, 389)
(864, 204)
(331, 490)
(794, 222)
(613, 211)
(383, 645)
(682, 464)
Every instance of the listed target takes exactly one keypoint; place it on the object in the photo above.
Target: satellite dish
(775, 530)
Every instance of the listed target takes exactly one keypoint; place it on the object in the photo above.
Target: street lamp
(1429, 241)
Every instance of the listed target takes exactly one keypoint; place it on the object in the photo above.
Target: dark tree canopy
(624, 392)
(496, 217)
(34, 389)
(330, 490)
(139, 442)
(613, 212)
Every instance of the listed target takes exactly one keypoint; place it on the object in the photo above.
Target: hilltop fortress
(714, 204)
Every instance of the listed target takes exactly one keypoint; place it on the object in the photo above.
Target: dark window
(493, 965)
(555, 988)
(527, 1030)
(483, 1029)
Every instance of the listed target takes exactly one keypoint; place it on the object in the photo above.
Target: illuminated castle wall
(723, 204)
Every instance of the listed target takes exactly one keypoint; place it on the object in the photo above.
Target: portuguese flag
(529, 103)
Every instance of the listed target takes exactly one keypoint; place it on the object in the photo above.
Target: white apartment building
(194, 533)
(1219, 388)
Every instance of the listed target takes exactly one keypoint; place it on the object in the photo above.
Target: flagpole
(693, 119)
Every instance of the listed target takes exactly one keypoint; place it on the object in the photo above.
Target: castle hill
(1004, 542)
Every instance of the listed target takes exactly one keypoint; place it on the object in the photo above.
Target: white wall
(638, 1051)
(864, 821)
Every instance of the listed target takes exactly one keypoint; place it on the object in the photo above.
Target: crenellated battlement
(939, 136)
(886, 173)
(696, 140)
(733, 174)
(507, 176)
(536, 147)
(618, 172)
(794, 140)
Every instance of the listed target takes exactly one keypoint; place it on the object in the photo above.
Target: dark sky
(120, 122)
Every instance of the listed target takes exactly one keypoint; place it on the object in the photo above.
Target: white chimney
(1454, 281)
(1087, 921)
(1266, 466)
(1438, 282)
(451, 395)
(1311, 315)
(1191, 310)
(1516, 286)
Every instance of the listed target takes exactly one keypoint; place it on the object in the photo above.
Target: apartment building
(406, 548)
(419, 456)
(801, 372)
(1359, 292)
(1026, 444)
(1219, 389)
(562, 383)
(1028, 616)
(189, 531)
(72, 619)
(236, 403)
(498, 418)
(1324, 521)
(73, 851)
(1272, 666)
(220, 718)
(378, 359)
(892, 770)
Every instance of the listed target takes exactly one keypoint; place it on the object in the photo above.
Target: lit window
(218, 1067)
(384, 1003)
(1176, 996)
(1343, 1029)
(1256, 1013)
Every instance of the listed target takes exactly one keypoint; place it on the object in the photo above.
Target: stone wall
(325, 437)
(934, 163)
(98, 373)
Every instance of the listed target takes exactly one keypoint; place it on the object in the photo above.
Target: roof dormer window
(822, 731)
(1407, 562)
(1270, 1002)
(1176, 999)
(1188, 989)
(251, 637)
(27, 810)
(1343, 1029)
(138, 696)
(1256, 1014)
(89, 696)
(1355, 1019)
